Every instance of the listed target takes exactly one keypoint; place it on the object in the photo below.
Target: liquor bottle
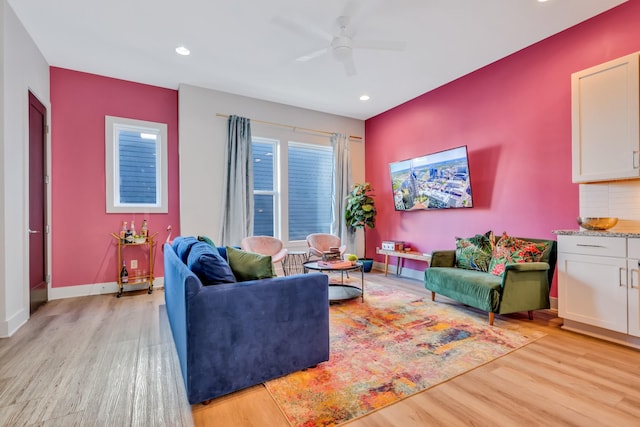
(124, 274)
(123, 231)
(143, 231)
(128, 236)
(133, 229)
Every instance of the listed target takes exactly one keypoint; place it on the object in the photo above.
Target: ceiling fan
(340, 44)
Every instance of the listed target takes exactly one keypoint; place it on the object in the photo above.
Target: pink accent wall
(515, 117)
(83, 251)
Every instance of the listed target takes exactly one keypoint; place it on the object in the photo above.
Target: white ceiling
(241, 47)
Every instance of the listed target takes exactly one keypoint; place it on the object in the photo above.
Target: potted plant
(360, 212)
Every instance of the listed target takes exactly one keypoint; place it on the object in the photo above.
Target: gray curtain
(237, 203)
(342, 182)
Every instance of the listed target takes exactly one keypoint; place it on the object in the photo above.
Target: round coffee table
(340, 291)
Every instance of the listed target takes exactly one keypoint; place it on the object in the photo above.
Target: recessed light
(181, 50)
(365, 98)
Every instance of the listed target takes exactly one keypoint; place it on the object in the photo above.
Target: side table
(293, 263)
(400, 257)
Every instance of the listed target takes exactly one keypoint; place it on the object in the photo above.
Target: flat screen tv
(433, 181)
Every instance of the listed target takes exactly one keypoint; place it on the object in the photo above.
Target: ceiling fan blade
(309, 56)
(379, 44)
(298, 28)
(358, 11)
(349, 65)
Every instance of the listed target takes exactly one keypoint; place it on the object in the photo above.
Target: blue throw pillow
(182, 246)
(208, 265)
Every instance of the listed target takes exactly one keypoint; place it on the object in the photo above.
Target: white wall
(203, 140)
(23, 69)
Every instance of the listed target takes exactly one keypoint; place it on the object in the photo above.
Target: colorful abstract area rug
(393, 345)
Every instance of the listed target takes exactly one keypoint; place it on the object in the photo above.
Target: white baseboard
(98, 289)
(11, 326)
(604, 334)
(407, 273)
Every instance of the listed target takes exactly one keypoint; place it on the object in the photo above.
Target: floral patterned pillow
(474, 253)
(510, 249)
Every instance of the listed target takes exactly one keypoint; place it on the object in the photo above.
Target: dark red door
(37, 204)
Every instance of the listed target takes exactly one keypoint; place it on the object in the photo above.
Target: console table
(401, 256)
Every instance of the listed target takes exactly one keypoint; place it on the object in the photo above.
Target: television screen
(434, 181)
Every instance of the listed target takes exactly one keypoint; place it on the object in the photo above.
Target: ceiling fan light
(341, 52)
(181, 50)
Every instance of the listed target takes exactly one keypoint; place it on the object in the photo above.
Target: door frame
(46, 202)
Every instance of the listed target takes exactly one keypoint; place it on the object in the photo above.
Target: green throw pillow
(474, 253)
(510, 249)
(249, 265)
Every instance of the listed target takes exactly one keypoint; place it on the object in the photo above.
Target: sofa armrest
(446, 258)
(525, 287)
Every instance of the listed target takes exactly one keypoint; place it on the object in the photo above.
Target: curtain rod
(294, 128)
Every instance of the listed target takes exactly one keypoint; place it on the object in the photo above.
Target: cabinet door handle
(635, 160)
(590, 246)
(620, 276)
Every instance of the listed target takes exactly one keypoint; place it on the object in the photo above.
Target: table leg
(386, 264)
(362, 281)
(398, 268)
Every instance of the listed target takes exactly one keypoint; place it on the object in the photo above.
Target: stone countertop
(603, 233)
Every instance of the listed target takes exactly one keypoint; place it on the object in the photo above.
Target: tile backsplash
(613, 199)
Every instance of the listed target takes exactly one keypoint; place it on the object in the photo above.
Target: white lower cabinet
(633, 298)
(598, 282)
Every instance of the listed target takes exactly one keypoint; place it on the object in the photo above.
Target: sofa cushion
(511, 249)
(249, 265)
(208, 265)
(472, 287)
(182, 246)
(474, 253)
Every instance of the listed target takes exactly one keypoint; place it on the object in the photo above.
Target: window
(310, 178)
(264, 186)
(304, 176)
(136, 165)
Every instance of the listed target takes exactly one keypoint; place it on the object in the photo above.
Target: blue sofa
(234, 335)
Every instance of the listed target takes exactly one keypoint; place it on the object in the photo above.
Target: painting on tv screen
(434, 181)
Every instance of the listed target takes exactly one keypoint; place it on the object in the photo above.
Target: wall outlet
(134, 264)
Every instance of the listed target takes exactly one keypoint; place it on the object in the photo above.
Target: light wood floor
(105, 361)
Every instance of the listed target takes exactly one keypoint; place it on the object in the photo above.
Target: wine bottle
(124, 274)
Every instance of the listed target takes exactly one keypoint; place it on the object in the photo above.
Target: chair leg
(530, 314)
(433, 296)
(491, 317)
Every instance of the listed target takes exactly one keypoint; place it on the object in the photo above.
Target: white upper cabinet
(605, 108)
